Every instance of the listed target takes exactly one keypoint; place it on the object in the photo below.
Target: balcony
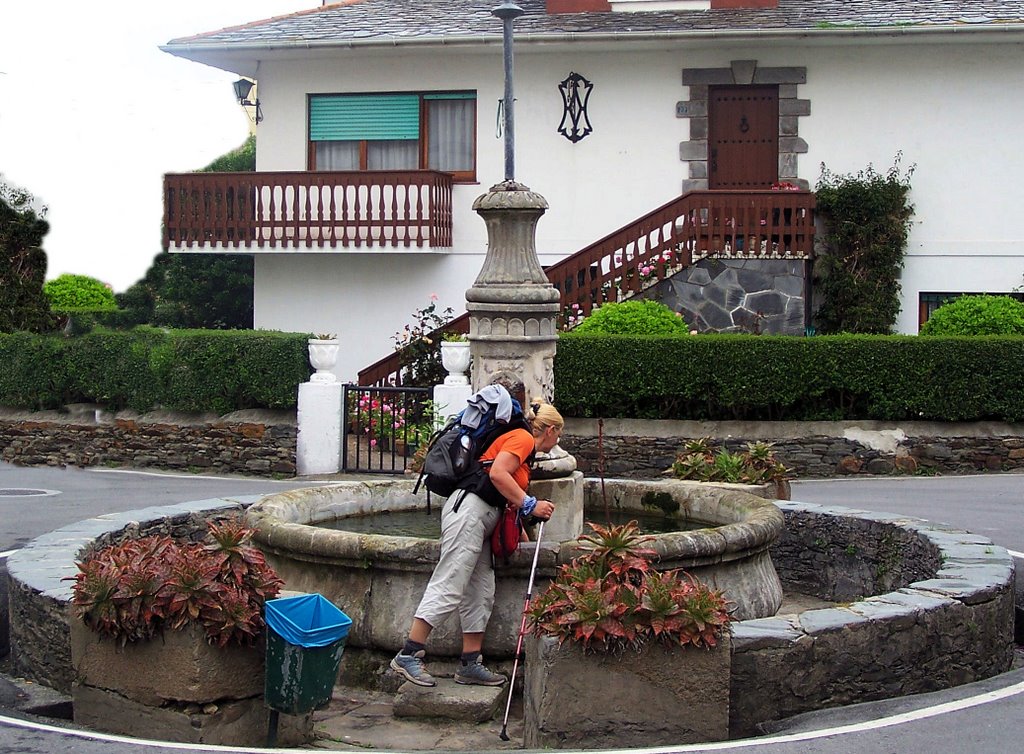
(302, 211)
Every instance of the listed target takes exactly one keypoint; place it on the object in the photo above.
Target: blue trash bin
(305, 640)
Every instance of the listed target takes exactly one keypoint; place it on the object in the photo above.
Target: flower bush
(381, 418)
(572, 315)
(611, 598)
(134, 590)
(756, 465)
(420, 345)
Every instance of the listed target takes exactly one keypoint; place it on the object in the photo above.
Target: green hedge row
(149, 368)
(720, 377)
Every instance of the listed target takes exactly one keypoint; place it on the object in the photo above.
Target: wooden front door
(743, 137)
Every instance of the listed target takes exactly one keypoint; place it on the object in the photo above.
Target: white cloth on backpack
(482, 400)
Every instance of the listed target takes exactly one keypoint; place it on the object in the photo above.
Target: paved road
(984, 717)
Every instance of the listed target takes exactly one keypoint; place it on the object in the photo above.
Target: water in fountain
(416, 523)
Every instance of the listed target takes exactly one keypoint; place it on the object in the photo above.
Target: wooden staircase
(662, 243)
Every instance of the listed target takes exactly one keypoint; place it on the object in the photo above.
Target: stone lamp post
(512, 307)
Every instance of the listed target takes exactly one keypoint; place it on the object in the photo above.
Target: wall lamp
(243, 87)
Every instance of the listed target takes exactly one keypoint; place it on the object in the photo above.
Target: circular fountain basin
(378, 579)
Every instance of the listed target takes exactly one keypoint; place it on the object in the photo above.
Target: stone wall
(40, 639)
(246, 442)
(952, 626)
(263, 443)
(639, 449)
(752, 295)
(948, 620)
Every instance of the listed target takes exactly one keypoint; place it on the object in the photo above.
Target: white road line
(746, 743)
(219, 478)
(6, 554)
(1015, 554)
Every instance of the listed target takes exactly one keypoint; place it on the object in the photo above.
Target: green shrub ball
(977, 315)
(79, 292)
(633, 318)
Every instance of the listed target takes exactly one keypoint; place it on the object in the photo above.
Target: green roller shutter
(373, 117)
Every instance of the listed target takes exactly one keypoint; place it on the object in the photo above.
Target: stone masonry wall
(264, 442)
(753, 295)
(40, 591)
(953, 625)
(643, 449)
(247, 442)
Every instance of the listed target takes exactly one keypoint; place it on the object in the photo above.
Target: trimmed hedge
(148, 368)
(759, 378)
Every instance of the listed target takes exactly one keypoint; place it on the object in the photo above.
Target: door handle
(714, 159)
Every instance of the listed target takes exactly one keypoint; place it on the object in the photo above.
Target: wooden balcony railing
(726, 224)
(305, 210)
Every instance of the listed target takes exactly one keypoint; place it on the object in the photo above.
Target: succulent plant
(756, 465)
(133, 590)
(612, 598)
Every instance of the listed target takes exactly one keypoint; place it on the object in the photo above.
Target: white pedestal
(318, 445)
(450, 400)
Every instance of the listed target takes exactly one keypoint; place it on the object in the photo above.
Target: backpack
(452, 461)
(506, 535)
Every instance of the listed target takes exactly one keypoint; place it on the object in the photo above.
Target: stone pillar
(512, 307)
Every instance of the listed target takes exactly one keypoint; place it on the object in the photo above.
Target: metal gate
(384, 427)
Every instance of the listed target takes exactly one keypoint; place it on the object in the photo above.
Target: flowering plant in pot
(381, 418)
(609, 620)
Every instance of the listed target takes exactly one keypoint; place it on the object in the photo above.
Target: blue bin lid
(309, 620)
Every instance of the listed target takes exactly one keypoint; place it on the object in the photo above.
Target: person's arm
(505, 463)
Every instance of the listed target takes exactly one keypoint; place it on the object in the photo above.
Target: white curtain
(451, 123)
(395, 154)
(337, 155)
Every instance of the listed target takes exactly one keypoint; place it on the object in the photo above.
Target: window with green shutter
(407, 131)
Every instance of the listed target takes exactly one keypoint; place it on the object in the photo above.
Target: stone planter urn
(455, 359)
(323, 355)
(175, 688)
(655, 697)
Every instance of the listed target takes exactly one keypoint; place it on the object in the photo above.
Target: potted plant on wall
(165, 636)
(323, 355)
(610, 620)
(455, 358)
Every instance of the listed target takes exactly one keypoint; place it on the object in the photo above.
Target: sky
(92, 114)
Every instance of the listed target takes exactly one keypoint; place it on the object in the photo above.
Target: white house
(379, 130)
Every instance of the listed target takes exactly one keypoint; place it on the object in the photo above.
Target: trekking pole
(522, 630)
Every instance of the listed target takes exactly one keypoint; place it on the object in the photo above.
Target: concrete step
(450, 700)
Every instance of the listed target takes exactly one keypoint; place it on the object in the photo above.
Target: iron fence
(384, 428)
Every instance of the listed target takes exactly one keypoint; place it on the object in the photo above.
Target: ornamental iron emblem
(575, 94)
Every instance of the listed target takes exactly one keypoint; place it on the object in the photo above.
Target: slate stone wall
(739, 295)
(952, 626)
(261, 445)
(642, 450)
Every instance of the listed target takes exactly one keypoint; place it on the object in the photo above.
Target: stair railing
(652, 248)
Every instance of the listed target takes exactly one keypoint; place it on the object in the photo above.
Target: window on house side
(435, 131)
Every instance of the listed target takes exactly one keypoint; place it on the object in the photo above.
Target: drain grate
(26, 492)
